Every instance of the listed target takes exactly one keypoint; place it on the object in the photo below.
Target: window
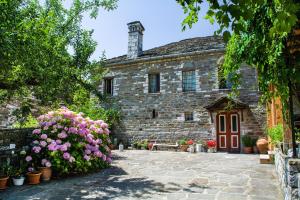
(222, 124)
(154, 114)
(108, 86)
(188, 81)
(234, 123)
(154, 83)
(188, 116)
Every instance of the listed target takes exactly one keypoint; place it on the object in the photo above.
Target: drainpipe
(291, 111)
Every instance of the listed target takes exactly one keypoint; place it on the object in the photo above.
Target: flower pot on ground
(33, 178)
(212, 146)
(18, 181)
(46, 173)
(262, 145)
(5, 172)
(183, 145)
(150, 145)
(248, 143)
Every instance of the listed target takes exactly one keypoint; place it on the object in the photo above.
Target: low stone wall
(19, 137)
(287, 169)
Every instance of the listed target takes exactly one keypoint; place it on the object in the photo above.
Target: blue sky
(161, 19)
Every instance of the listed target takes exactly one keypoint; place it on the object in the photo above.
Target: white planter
(191, 149)
(18, 181)
(211, 150)
(198, 148)
(121, 147)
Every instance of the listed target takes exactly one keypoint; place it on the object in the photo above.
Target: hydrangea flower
(28, 158)
(44, 136)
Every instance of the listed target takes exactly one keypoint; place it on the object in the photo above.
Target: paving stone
(163, 175)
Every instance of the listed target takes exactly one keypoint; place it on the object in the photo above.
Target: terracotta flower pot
(46, 173)
(248, 150)
(33, 178)
(184, 147)
(150, 145)
(3, 182)
(262, 145)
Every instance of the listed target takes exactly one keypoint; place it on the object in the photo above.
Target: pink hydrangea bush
(70, 143)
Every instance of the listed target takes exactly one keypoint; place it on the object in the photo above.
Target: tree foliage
(259, 33)
(45, 52)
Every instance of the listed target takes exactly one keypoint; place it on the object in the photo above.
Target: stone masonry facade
(130, 87)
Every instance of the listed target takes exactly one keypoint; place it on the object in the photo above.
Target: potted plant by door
(248, 143)
(18, 177)
(5, 171)
(191, 146)
(183, 145)
(211, 145)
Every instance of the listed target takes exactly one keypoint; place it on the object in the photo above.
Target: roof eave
(220, 50)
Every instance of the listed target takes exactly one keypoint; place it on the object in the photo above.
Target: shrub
(70, 143)
(182, 142)
(247, 141)
(211, 143)
(276, 134)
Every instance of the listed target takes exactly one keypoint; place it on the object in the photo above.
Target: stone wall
(287, 170)
(131, 93)
(20, 137)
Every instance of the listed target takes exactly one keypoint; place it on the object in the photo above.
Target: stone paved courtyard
(164, 175)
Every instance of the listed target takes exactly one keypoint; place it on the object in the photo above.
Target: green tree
(45, 52)
(257, 32)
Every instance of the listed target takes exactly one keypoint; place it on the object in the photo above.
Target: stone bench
(157, 145)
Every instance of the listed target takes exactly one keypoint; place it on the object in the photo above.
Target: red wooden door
(228, 132)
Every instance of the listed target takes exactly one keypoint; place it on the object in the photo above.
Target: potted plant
(191, 146)
(33, 176)
(18, 177)
(211, 145)
(183, 145)
(5, 172)
(199, 146)
(204, 146)
(45, 170)
(262, 145)
(248, 143)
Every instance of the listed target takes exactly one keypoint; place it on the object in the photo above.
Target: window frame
(188, 116)
(156, 89)
(187, 85)
(105, 86)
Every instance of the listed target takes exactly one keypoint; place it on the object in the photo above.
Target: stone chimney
(135, 39)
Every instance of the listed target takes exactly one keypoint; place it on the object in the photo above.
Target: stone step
(265, 159)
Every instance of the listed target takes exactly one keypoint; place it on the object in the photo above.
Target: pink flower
(109, 160)
(104, 125)
(58, 141)
(104, 157)
(44, 136)
(52, 146)
(36, 131)
(44, 161)
(66, 156)
(68, 144)
(72, 159)
(63, 147)
(30, 169)
(45, 128)
(87, 151)
(36, 149)
(28, 158)
(98, 154)
(43, 143)
(62, 135)
(35, 142)
(86, 157)
(48, 164)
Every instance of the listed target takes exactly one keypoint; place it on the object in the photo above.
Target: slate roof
(191, 45)
(219, 103)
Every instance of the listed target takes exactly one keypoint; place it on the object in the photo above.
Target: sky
(161, 19)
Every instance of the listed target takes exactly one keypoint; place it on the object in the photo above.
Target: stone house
(177, 91)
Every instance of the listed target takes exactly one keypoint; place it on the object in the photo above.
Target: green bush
(182, 142)
(247, 141)
(276, 134)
